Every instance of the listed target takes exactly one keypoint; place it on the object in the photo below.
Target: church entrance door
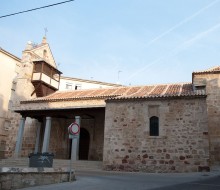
(84, 144)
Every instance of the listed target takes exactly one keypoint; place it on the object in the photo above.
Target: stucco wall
(9, 68)
(67, 83)
(182, 144)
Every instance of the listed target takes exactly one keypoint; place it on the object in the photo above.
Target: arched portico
(52, 134)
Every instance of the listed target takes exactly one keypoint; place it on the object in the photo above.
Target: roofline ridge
(94, 81)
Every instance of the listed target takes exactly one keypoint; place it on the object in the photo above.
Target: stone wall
(12, 137)
(182, 144)
(17, 178)
(29, 136)
(10, 67)
(59, 139)
(211, 81)
(59, 143)
(96, 131)
(23, 90)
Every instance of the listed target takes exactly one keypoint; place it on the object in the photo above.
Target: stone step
(57, 163)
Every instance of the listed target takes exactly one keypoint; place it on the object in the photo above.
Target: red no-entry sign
(74, 129)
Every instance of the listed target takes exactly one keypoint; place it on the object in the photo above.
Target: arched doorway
(84, 144)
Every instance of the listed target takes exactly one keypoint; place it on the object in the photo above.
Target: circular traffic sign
(74, 129)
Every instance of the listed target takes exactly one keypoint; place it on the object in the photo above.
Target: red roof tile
(132, 90)
(144, 91)
(158, 90)
(136, 92)
(173, 90)
(187, 89)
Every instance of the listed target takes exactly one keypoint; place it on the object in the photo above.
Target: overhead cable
(35, 9)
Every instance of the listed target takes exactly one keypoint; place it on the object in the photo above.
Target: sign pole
(71, 159)
(74, 130)
(77, 120)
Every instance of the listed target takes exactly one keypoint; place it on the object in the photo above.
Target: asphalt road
(138, 181)
(207, 184)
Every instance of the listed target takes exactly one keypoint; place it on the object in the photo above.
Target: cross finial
(45, 32)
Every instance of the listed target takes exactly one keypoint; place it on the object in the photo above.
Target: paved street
(138, 181)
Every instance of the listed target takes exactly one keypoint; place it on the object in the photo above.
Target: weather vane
(45, 31)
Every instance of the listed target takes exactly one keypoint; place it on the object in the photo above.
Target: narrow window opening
(154, 126)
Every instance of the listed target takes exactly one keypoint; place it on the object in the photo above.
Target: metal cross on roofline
(45, 32)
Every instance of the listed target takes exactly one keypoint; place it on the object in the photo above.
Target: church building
(150, 128)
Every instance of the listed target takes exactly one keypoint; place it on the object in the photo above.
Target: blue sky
(149, 41)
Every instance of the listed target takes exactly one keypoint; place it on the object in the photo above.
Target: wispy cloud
(199, 36)
(176, 50)
(182, 22)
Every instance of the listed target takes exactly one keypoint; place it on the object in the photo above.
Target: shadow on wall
(3, 135)
(9, 124)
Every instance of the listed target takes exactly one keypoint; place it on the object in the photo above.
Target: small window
(202, 87)
(78, 87)
(45, 54)
(154, 126)
(69, 86)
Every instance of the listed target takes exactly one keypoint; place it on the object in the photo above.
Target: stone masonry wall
(29, 136)
(18, 178)
(23, 91)
(182, 144)
(212, 83)
(96, 136)
(59, 139)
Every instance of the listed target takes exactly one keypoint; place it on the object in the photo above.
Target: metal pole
(74, 148)
(71, 159)
(77, 120)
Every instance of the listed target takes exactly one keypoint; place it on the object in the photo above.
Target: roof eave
(156, 98)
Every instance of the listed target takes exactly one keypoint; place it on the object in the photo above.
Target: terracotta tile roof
(215, 69)
(173, 90)
(158, 90)
(119, 93)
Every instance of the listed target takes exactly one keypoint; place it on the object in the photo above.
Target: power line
(36, 9)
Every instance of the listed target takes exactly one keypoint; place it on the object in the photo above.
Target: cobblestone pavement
(138, 181)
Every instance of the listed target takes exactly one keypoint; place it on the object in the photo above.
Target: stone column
(19, 138)
(47, 135)
(38, 137)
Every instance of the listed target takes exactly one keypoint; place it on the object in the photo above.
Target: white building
(69, 83)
